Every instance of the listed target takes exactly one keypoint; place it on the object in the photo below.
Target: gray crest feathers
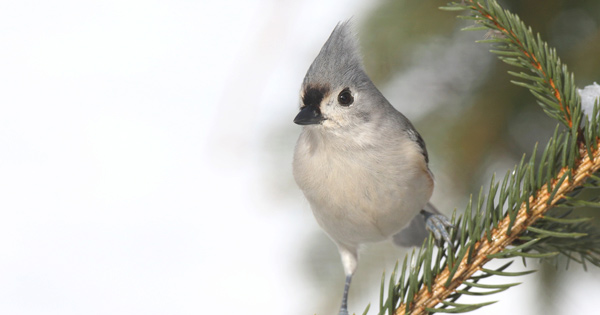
(339, 62)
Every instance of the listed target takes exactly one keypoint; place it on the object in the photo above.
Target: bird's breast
(361, 194)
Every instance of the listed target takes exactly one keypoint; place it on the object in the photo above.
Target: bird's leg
(344, 307)
(350, 262)
(437, 224)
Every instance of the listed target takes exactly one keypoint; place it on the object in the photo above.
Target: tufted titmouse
(360, 163)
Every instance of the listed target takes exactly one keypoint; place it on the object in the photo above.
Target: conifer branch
(535, 63)
(514, 218)
(517, 46)
(426, 299)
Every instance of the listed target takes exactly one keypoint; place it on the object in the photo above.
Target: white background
(145, 159)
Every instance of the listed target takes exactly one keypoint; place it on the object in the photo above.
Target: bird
(359, 162)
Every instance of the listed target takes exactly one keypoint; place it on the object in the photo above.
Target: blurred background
(146, 146)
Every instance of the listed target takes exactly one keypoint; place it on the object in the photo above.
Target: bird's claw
(438, 224)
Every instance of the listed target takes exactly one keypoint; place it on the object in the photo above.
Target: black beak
(309, 115)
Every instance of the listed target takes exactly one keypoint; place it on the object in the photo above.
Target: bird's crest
(339, 62)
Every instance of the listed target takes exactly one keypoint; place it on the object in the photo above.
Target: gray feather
(415, 232)
(339, 60)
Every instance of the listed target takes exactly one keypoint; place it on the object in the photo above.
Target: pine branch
(426, 299)
(551, 83)
(514, 218)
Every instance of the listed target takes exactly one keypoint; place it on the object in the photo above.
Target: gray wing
(414, 233)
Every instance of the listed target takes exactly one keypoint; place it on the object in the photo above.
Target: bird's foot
(437, 224)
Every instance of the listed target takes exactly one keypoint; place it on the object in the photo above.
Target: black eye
(345, 97)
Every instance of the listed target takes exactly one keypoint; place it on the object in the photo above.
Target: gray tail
(414, 233)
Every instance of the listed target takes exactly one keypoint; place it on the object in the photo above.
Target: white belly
(356, 198)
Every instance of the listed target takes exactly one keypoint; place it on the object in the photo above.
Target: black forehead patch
(314, 94)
